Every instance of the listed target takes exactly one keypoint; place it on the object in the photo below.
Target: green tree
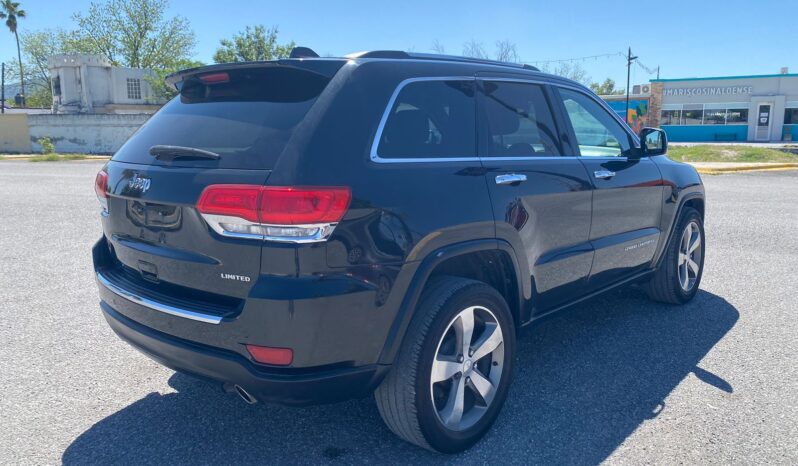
(606, 88)
(253, 44)
(11, 12)
(136, 33)
(157, 80)
(37, 47)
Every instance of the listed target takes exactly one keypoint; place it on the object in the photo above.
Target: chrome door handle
(603, 174)
(511, 178)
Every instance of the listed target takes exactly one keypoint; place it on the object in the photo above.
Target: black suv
(309, 230)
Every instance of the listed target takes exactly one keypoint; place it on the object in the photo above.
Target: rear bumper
(285, 386)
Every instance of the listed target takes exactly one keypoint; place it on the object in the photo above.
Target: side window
(431, 119)
(518, 119)
(597, 133)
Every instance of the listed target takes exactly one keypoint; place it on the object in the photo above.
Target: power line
(585, 58)
(647, 69)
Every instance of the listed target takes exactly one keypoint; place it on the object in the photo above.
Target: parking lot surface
(617, 379)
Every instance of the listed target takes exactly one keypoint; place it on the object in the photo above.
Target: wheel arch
(693, 200)
(466, 260)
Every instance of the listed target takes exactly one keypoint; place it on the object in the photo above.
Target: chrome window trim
(375, 157)
(156, 306)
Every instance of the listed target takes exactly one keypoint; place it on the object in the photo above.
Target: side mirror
(653, 141)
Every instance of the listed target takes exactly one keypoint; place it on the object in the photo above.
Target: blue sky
(685, 38)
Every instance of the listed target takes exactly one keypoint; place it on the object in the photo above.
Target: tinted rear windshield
(246, 116)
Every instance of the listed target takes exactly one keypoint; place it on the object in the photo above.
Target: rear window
(246, 116)
(431, 119)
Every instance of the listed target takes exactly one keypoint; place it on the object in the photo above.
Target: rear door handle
(511, 178)
(603, 174)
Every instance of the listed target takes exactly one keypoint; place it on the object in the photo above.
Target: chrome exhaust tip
(245, 395)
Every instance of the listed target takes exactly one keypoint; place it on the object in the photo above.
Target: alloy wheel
(467, 368)
(689, 256)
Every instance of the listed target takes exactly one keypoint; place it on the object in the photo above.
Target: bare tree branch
(505, 51)
(474, 49)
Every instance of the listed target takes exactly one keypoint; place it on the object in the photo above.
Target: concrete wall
(14, 133)
(90, 134)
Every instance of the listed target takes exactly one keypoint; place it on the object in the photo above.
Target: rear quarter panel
(399, 213)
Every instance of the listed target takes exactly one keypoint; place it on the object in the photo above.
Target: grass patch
(714, 153)
(57, 157)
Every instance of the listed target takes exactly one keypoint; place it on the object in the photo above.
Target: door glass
(597, 133)
(764, 115)
(518, 120)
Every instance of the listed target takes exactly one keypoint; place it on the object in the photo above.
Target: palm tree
(10, 12)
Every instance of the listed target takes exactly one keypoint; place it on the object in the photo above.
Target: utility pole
(629, 60)
(3, 88)
(657, 72)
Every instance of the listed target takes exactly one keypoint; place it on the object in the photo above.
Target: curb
(747, 168)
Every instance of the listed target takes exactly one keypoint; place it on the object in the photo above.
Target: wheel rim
(689, 256)
(467, 368)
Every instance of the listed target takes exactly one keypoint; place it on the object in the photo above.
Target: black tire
(665, 285)
(405, 398)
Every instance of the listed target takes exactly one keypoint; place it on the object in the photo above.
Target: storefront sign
(695, 91)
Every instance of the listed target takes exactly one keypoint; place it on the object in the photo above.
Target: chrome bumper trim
(156, 306)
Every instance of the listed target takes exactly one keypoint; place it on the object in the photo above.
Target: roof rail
(398, 54)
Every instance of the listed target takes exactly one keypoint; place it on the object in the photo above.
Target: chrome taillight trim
(321, 231)
(156, 306)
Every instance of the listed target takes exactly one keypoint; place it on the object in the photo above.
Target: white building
(728, 108)
(90, 84)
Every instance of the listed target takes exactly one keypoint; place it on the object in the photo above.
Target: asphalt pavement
(617, 379)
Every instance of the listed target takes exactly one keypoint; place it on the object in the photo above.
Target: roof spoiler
(323, 67)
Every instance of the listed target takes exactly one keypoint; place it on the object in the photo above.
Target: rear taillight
(288, 214)
(101, 188)
(268, 355)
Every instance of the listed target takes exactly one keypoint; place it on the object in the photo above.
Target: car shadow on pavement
(585, 380)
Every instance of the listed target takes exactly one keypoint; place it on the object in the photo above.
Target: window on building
(134, 88)
(519, 120)
(670, 117)
(431, 119)
(57, 86)
(714, 116)
(737, 116)
(791, 116)
(693, 114)
(735, 113)
(597, 132)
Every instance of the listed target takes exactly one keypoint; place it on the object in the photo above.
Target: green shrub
(47, 145)
(57, 157)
